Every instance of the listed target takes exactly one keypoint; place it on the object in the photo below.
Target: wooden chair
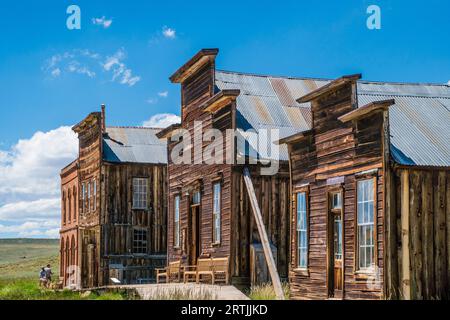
(173, 271)
(220, 269)
(203, 267)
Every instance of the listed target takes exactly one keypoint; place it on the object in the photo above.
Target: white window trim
(140, 190)
(359, 268)
(176, 222)
(300, 230)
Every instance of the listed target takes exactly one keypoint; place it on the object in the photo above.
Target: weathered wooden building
(209, 209)
(370, 183)
(122, 213)
(69, 225)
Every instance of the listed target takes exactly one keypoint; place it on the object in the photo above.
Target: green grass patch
(267, 292)
(24, 258)
(28, 289)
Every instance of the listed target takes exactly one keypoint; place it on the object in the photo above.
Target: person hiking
(43, 278)
(48, 274)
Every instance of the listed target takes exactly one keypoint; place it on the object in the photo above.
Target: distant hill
(23, 258)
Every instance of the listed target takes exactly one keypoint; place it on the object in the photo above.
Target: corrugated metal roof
(419, 128)
(419, 121)
(269, 103)
(134, 145)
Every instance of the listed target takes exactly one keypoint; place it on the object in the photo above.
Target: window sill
(302, 272)
(364, 274)
(215, 244)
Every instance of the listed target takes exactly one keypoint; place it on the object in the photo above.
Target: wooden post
(406, 282)
(263, 235)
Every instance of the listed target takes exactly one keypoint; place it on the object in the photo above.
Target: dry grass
(183, 294)
(267, 292)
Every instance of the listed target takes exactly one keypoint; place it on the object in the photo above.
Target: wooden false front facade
(192, 229)
(368, 229)
(122, 213)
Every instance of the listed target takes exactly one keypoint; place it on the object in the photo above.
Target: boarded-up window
(302, 231)
(176, 222)
(216, 213)
(140, 241)
(366, 229)
(140, 188)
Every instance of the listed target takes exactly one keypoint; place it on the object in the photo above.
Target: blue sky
(51, 77)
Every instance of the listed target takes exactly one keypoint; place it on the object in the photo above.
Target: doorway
(335, 245)
(194, 229)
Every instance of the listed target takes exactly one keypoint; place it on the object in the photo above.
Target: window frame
(143, 244)
(83, 197)
(295, 257)
(94, 195)
(88, 197)
(176, 223)
(140, 193)
(214, 240)
(357, 268)
(64, 209)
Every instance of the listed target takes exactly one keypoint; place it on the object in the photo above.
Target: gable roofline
(90, 118)
(194, 64)
(263, 75)
(366, 110)
(166, 132)
(330, 86)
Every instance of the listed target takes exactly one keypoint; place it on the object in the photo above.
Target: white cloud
(162, 120)
(34, 163)
(47, 229)
(86, 62)
(31, 210)
(448, 83)
(163, 94)
(121, 73)
(169, 32)
(29, 178)
(105, 23)
(76, 67)
(56, 72)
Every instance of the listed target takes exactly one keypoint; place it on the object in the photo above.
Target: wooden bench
(214, 268)
(171, 273)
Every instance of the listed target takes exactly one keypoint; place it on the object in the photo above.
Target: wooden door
(335, 246)
(194, 243)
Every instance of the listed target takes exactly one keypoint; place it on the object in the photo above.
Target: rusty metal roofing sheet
(269, 103)
(134, 145)
(419, 128)
(420, 119)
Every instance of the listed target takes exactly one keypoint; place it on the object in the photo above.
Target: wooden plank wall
(336, 151)
(196, 90)
(90, 154)
(429, 233)
(272, 193)
(119, 219)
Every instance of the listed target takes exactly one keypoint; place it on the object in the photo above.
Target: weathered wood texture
(119, 220)
(263, 235)
(89, 159)
(107, 219)
(238, 230)
(427, 205)
(332, 156)
(272, 194)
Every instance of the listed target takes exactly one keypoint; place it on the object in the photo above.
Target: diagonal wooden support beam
(263, 234)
